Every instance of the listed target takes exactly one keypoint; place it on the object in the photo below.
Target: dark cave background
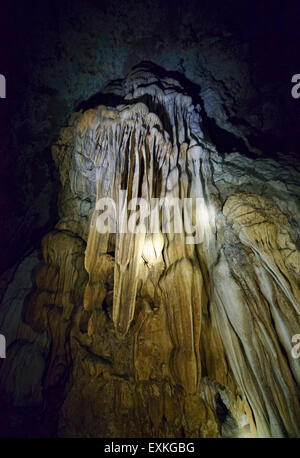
(237, 58)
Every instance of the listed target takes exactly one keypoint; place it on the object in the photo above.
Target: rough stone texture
(151, 336)
(22, 371)
(192, 341)
(238, 56)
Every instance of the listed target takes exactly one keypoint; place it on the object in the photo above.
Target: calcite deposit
(143, 334)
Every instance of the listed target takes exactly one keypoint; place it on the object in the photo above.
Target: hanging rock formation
(152, 333)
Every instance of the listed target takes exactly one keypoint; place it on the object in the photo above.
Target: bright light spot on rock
(152, 249)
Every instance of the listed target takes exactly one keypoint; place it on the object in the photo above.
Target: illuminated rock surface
(143, 334)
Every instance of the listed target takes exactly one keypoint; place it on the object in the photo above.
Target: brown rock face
(157, 333)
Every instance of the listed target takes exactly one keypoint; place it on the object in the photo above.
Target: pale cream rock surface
(156, 337)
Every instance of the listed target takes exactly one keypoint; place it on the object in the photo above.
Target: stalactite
(162, 328)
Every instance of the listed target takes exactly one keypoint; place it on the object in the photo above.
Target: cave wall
(172, 340)
(238, 56)
(150, 335)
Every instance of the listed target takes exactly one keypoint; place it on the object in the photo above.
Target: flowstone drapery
(153, 336)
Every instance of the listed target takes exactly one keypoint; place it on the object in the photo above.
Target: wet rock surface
(239, 58)
(144, 335)
(151, 336)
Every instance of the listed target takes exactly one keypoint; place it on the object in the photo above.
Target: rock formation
(144, 334)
